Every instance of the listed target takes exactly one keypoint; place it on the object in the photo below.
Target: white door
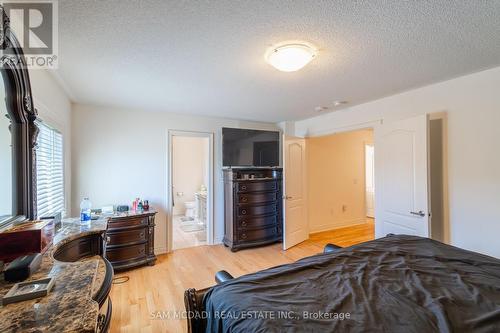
(401, 178)
(295, 226)
(370, 180)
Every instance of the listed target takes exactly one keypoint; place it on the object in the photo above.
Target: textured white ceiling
(206, 57)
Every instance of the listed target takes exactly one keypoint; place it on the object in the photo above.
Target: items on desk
(56, 218)
(22, 268)
(122, 208)
(139, 205)
(107, 210)
(135, 204)
(24, 291)
(85, 210)
(29, 237)
(95, 214)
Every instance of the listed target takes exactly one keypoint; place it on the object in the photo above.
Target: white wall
(54, 108)
(119, 154)
(473, 106)
(190, 169)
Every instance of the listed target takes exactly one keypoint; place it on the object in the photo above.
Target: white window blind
(49, 171)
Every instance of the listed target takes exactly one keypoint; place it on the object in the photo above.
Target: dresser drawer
(257, 210)
(257, 187)
(123, 222)
(257, 234)
(126, 237)
(126, 252)
(257, 197)
(257, 222)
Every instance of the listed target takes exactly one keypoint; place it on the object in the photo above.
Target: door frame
(372, 144)
(210, 185)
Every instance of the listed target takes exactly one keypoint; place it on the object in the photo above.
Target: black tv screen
(250, 148)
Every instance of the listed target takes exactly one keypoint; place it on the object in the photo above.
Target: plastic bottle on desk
(85, 210)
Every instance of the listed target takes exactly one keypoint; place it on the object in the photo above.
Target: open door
(402, 178)
(295, 225)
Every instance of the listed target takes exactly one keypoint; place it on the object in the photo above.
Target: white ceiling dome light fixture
(291, 56)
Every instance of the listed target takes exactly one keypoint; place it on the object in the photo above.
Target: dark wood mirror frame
(22, 114)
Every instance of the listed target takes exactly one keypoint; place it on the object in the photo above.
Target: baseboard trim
(338, 225)
(160, 250)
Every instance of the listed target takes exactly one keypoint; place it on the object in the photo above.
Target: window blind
(49, 171)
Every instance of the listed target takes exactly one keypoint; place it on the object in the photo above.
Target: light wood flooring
(160, 288)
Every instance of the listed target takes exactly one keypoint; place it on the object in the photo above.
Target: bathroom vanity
(201, 206)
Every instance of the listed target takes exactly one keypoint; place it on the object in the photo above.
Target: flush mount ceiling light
(290, 57)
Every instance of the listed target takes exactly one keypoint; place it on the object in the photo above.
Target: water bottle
(85, 207)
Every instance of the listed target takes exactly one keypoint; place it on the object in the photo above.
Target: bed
(397, 283)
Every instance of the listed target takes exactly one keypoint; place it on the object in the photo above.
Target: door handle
(287, 197)
(419, 213)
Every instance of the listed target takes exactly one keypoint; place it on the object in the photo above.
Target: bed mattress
(393, 284)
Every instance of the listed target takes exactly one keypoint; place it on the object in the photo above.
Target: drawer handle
(243, 236)
(108, 239)
(243, 187)
(243, 211)
(142, 234)
(141, 251)
(244, 224)
(244, 199)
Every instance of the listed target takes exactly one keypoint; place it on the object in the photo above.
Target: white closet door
(402, 189)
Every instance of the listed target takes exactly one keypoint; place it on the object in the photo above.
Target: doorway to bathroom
(190, 189)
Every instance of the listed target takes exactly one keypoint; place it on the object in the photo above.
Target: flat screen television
(250, 148)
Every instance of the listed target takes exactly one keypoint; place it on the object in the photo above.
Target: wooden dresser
(130, 239)
(253, 212)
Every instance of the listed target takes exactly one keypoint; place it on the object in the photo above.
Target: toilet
(190, 208)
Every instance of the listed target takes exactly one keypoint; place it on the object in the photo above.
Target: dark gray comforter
(394, 284)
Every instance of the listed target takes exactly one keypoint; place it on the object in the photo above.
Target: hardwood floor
(160, 288)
